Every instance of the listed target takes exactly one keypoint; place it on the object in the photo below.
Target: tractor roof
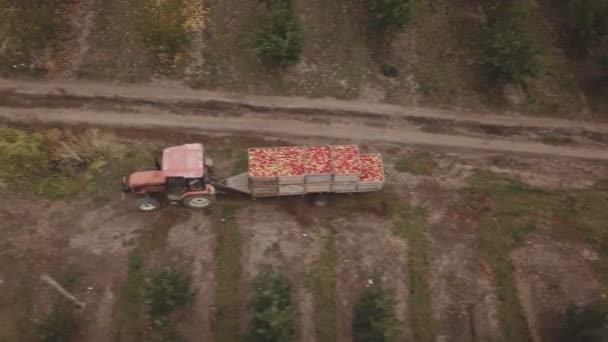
(183, 161)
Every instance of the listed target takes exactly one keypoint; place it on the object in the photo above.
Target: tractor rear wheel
(198, 201)
(147, 204)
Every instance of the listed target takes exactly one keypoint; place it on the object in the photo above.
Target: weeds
(129, 308)
(274, 313)
(374, 314)
(162, 27)
(511, 211)
(228, 275)
(28, 30)
(59, 325)
(54, 163)
(410, 224)
(242, 162)
(556, 140)
(389, 70)
(322, 283)
(421, 164)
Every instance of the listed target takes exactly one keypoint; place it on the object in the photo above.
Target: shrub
(374, 315)
(586, 323)
(389, 70)
(391, 14)
(509, 54)
(279, 40)
(274, 313)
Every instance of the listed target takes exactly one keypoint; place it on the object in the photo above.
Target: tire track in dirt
(103, 317)
(464, 299)
(365, 246)
(274, 239)
(293, 128)
(83, 45)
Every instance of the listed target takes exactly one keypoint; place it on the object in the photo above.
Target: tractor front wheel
(198, 201)
(147, 204)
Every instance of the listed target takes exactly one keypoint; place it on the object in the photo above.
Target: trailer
(346, 171)
(183, 176)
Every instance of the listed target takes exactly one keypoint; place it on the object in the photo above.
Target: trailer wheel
(198, 201)
(320, 200)
(147, 204)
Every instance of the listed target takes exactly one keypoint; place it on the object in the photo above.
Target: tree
(589, 20)
(279, 40)
(508, 51)
(374, 315)
(274, 313)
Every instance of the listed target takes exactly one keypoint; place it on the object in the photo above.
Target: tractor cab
(182, 177)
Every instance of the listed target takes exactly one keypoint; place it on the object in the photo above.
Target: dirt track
(255, 119)
(172, 91)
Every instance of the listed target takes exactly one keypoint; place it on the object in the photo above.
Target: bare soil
(43, 235)
(366, 247)
(550, 278)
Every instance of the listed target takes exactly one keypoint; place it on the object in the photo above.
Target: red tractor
(182, 177)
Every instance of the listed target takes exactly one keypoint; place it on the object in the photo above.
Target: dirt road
(173, 92)
(293, 128)
(271, 116)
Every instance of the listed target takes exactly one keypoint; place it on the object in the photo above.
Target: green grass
(374, 314)
(228, 274)
(410, 224)
(510, 218)
(556, 140)
(129, 308)
(58, 163)
(321, 280)
(421, 164)
(510, 211)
